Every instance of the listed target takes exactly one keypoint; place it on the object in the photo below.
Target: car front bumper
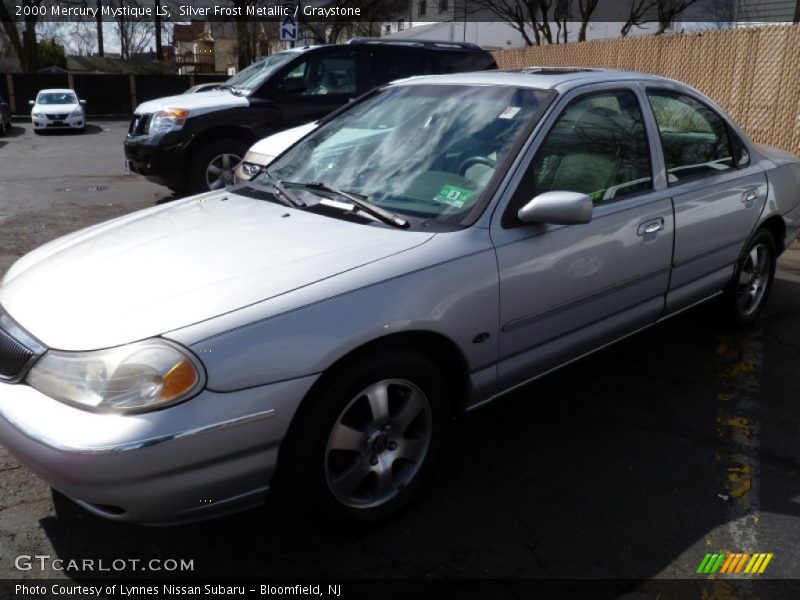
(211, 455)
(160, 159)
(67, 123)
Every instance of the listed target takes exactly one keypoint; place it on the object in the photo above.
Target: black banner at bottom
(460, 589)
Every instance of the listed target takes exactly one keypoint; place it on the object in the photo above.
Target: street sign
(288, 29)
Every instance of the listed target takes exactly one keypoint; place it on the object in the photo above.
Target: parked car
(194, 142)
(57, 109)
(5, 116)
(203, 87)
(436, 244)
(264, 151)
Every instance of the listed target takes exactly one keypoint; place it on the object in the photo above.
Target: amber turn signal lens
(178, 380)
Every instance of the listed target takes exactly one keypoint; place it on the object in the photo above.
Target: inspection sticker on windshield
(509, 112)
(452, 195)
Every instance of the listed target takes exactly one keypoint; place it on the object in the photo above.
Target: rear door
(389, 63)
(567, 290)
(717, 194)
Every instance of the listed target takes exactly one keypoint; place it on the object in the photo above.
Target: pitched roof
(188, 33)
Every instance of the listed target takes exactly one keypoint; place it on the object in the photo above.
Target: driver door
(568, 289)
(317, 85)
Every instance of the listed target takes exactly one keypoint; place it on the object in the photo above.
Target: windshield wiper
(360, 201)
(282, 196)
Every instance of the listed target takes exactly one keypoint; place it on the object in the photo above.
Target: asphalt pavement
(632, 463)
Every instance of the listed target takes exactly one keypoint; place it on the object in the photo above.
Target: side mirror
(557, 208)
(295, 85)
(82, 101)
(31, 102)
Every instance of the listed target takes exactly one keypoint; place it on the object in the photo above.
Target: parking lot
(632, 463)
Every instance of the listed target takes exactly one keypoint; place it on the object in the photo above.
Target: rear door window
(694, 137)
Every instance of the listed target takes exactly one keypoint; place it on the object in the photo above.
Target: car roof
(536, 77)
(57, 91)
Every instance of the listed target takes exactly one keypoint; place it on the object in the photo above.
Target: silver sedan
(436, 244)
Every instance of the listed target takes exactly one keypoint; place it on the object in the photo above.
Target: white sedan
(57, 109)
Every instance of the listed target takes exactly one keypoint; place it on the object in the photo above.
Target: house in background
(212, 46)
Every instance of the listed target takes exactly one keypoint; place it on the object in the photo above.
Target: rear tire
(365, 444)
(744, 299)
(213, 165)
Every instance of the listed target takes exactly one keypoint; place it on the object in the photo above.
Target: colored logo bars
(732, 563)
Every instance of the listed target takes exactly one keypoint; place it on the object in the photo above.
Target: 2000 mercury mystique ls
(431, 246)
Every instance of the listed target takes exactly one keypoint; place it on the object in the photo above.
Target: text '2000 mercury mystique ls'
(431, 246)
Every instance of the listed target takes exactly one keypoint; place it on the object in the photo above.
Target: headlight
(171, 119)
(138, 377)
(257, 161)
(37, 115)
(250, 170)
(77, 112)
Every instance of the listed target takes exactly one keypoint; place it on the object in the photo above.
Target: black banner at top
(410, 11)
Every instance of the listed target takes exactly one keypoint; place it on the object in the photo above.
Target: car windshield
(253, 76)
(57, 98)
(426, 151)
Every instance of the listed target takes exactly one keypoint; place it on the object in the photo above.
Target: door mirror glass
(557, 208)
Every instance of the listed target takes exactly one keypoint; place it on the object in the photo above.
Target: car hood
(168, 267)
(194, 103)
(54, 109)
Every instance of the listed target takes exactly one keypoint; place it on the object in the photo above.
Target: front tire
(366, 442)
(214, 163)
(746, 295)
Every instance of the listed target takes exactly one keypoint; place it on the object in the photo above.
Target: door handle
(650, 227)
(749, 197)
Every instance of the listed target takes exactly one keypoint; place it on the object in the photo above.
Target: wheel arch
(777, 227)
(435, 346)
(220, 132)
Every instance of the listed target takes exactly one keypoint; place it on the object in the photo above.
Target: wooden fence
(753, 73)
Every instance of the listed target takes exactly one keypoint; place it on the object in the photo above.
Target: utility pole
(99, 18)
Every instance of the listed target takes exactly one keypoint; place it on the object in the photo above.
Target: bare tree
(80, 38)
(134, 36)
(641, 12)
(23, 41)
(668, 11)
(586, 8)
(664, 12)
(534, 19)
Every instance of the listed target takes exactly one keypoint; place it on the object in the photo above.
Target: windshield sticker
(452, 195)
(509, 112)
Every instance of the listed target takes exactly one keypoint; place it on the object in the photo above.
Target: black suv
(193, 142)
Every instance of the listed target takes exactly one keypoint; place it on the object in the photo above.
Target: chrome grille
(14, 356)
(138, 125)
(56, 117)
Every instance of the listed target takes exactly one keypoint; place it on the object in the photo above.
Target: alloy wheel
(753, 280)
(220, 170)
(378, 443)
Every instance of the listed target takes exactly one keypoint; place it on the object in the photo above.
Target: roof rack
(418, 43)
